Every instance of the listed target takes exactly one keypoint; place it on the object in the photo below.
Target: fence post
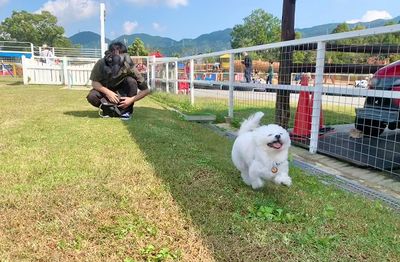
(231, 81)
(176, 77)
(147, 69)
(153, 72)
(103, 44)
(65, 72)
(33, 51)
(167, 77)
(25, 69)
(316, 108)
(191, 81)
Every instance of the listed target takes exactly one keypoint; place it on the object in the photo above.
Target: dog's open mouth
(276, 144)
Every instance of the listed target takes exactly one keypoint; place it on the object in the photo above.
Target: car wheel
(370, 127)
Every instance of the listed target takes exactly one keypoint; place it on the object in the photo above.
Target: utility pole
(103, 45)
(282, 113)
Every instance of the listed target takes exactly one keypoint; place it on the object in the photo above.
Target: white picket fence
(68, 71)
(59, 71)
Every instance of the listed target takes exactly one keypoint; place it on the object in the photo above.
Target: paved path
(371, 178)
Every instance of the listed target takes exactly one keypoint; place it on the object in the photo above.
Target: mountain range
(215, 41)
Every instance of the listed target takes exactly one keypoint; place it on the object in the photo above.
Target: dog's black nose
(277, 136)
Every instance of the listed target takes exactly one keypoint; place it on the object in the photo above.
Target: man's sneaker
(107, 109)
(126, 116)
(102, 113)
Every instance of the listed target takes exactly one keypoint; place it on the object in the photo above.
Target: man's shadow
(84, 113)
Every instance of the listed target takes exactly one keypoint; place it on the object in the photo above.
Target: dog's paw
(283, 180)
(257, 184)
(246, 179)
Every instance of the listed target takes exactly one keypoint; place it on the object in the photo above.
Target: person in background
(46, 55)
(116, 80)
(216, 66)
(248, 64)
(270, 72)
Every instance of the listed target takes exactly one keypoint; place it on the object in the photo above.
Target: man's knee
(131, 81)
(132, 85)
(94, 98)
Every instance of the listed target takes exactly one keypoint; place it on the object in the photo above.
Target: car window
(385, 82)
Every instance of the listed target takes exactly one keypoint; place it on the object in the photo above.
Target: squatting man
(115, 82)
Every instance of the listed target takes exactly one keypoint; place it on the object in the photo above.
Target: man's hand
(124, 102)
(112, 97)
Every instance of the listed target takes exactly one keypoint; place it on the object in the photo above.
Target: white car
(361, 83)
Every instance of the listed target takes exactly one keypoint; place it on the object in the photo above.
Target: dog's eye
(281, 133)
(269, 134)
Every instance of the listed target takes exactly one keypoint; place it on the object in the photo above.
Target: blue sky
(180, 19)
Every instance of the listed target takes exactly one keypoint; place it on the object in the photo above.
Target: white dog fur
(261, 153)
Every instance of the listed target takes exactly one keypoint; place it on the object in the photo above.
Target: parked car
(361, 83)
(379, 112)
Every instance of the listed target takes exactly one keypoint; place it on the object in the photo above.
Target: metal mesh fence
(365, 130)
(336, 94)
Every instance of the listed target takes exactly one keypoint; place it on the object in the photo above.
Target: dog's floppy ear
(126, 61)
(108, 58)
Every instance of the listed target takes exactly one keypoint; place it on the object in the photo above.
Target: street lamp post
(103, 45)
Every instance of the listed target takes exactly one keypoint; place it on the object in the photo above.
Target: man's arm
(140, 95)
(127, 101)
(142, 86)
(112, 96)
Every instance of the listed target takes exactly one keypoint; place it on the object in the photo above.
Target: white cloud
(158, 27)
(170, 3)
(68, 11)
(176, 3)
(129, 27)
(371, 15)
(3, 2)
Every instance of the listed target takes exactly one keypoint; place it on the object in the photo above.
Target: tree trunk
(282, 113)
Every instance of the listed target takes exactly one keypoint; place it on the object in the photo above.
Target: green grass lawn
(333, 115)
(76, 187)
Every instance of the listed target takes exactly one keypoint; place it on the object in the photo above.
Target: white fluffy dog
(261, 153)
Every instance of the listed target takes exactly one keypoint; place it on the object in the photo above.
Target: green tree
(392, 38)
(176, 54)
(258, 28)
(35, 28)
(4, 36)
(391, 23)
(359, 27)
(340, 28)
(137, 48)
(362, 58)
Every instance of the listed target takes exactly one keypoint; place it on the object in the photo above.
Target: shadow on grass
(332, 116)
(84, 113)
(11, 82)
(195, 164)
(16, 83)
